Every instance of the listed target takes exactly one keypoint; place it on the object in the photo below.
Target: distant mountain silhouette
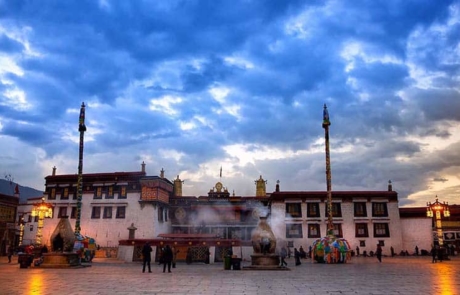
(24, 192)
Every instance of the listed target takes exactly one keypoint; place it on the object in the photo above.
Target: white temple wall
(416, 232)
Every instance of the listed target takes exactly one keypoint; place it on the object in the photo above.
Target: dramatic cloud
(190, 86)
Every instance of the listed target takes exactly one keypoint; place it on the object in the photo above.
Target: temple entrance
(221, 252)
(198, 253)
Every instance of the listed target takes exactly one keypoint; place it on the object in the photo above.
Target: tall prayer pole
(81, 129)
(326, 124)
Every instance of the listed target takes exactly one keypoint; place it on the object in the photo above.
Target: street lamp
(22, 224)
(42, 210)
(435, 210)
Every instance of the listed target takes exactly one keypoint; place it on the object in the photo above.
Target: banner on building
(450, 236)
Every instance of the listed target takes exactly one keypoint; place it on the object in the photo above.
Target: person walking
(146, 253)
(174, 258)
(434, 254)
(10, 253)
(297, 257)
(188, 258)
(302, 252)
(167, 258)
(440, 251)
(378, 252)
(283, 255)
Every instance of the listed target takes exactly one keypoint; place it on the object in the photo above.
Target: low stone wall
(125, 253)
(107, 252)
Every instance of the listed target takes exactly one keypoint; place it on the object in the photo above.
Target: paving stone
(397, 275)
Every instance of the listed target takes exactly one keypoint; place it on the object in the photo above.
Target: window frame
(110, 192)
(297, 212)
(338, 232)
(360, 213)
(123, 192)
(294, 226)
(384, 227)
(121, 212)
(313, 210)
(62, 212)
(96, 212)
(98, 193)
(311, 228)
(379, 212)
(364, 227)
(160, 214)
(107, 214)
(65, 193)
(52, 194)
(336, 208)
(73, 213)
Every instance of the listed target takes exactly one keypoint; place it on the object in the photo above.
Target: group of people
(298, 254)
(437, 253)
(168, 257)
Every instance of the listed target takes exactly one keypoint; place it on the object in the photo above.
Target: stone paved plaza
(363, 275)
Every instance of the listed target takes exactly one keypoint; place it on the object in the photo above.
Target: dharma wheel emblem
(180, 213)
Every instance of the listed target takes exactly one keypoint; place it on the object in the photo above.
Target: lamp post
(41, 210)
(436, 210)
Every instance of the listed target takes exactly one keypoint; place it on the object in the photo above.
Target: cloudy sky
(192, 86)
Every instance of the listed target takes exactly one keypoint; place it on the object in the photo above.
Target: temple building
(123, 210)
(8, 208)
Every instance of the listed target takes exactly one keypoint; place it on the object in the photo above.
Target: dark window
(109, 194)
(96, 213)
(336, 210)
(338, 230)
(65, 193)
(314, 231)
(123, 193)
(293, 231)
(74, 193)
(381, 230)
(73, 213)
(62, 212)
(362, 243)
(160, 214)
(52, 195)
(360, 209)
(379, 209)
(121, 212)
(313, 210)
(29, 219)
(107, 212)
(361, 230)
(293, 210)
(36, 219)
